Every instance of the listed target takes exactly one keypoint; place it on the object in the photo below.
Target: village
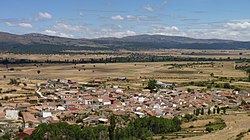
(90, 104)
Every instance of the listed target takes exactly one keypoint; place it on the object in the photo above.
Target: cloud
(81, 14)
(164, 3)
(161, 29)
(103, 11)
(70, 28)
(25, 25)
(36, 18)
(9, 24)
(113, 33)
(136, 18)
(190, 19)
(113, 26)
(45, 15)
(238, 26)
(233, 30)
(118, 17)
(55, 33)
(149, 8)
(159, 7)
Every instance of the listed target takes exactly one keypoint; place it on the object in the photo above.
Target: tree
(194, 112)
(140, 128)
(151, 85)
(38, 72)
(197, 112)
(209, 111)
(224, 109)
(214, 110)
(209, 86)
(209, 129)
(14, 82)
(248, 70)
(243, 102)
(212, 74)
(218, 110)
(188, 117)
(25, 84)
(66, 131)
(227, 85)
(112, 127)
(202, 111)
(189, 90)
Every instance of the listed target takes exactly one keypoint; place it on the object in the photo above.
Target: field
(162, 71)
(137, 73)
(236, 123)
(187, 53)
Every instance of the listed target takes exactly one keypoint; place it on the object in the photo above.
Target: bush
(227, 85)
(209, 129)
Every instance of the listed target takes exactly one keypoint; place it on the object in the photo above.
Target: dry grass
(224, 54)
(197, 123)
(247, 136)
(133, 71)
(235, 124)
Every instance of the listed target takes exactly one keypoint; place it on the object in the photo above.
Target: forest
(140, 128)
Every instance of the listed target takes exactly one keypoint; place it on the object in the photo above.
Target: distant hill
(39, 43)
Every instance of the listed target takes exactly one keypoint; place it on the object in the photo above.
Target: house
(164, 85)
(119, 90)
(103, 121)
(106, 102)
(11, 114)
(61, 108)
(2, 115)
(25, 133)
(140, 114)
(87, 99)
(122, 78)
(47, 114)
(29, 120)
(141, 99)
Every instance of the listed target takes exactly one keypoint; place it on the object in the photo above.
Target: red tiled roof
(73, 109)
(54, 121)
(29, 131)
(29, 117)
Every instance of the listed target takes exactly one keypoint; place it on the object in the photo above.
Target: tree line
(131, 58)
(140, 128)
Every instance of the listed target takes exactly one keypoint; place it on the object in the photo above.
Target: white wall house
(11, 114)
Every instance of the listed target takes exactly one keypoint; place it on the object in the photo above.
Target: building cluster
(92, 103)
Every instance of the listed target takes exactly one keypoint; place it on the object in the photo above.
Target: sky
(205, 19)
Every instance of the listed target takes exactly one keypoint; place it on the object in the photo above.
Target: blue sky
(223, 19)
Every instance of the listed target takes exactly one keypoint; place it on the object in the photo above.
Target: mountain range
(40, 43)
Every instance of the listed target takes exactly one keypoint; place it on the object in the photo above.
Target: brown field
(236, 123)
(247, 136)
(224, 54)
(197, 123)
(136, 72)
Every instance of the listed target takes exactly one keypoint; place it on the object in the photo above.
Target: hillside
(39, 43)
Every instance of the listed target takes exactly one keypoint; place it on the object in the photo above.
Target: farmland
(201, 85)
